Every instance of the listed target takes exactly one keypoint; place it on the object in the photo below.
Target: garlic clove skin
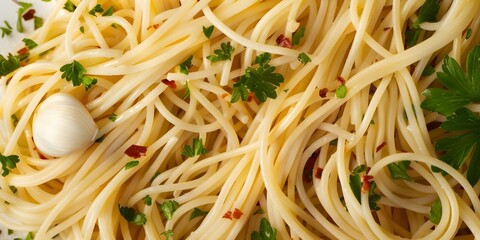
(62, 125)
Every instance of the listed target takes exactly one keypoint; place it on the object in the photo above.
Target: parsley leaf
(82, 29)
(428, 70)
(168, 208)
(168, 234)
(207, 31)
(194, 150)
(355, 182)
(29, 43)
(197, 212)
(435, 213)
(8, 163)
(462, 88)
(304, 58)
(399, 170)
(113, 117)
(460, 147)
(468, 34)
(266, 231)
(74, 72)
(298, 35)
(69, 6)
(37, 22)
(97, 9)
(262, 81)
(147, 200)
(108, 12)
(428, 13)
(222, 54)
(23, 7)
(132, 216)
(341, 91)
(7, 30)
(184, 66)
(9, 64)
(131, 164)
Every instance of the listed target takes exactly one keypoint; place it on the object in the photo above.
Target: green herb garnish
(168, 234)
(97, 9)
(197, 212)
(187, 64)
(194, 150)
(74, 72)
(8, 163)
(147, 200)
(435, 213)
(262, 81)
(29, 43)
(23, 7)
(222, 54)
(37, 22)
(108, 12)
(131, 164)
(298, 35)
(399, 170)
(266, 232)
(168, 208)
(304, 58)
(341, 91)
(208, 31)
(356, 186)
(69, 6)
(7, 30)
(132, 216)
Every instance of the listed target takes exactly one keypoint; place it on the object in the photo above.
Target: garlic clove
(62, 125)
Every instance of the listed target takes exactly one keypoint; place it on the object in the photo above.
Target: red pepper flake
(136, 151)
(155, 26)
(237, 214)
(29, 15)
(318, 173)
(22, 51)
(282, 41)
(228, 215)
(366, 183)
(340, 81)
(323, 92)
(381, 146)
(169, 83)
(250, 97)
(23, 63)
(224, 95)
(386, 28)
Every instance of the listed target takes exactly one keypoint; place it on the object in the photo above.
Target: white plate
(8, 12)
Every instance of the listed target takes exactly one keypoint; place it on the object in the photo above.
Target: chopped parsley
(37, 22)
(435, 213)
(9, 64)
(29, 43)
(262, 81)
(7, 30)
(428, 13)
(69, 6)
(298, 35)
(197, 212)
(168, 234)
(8, 163)
(468, 34)
(207, 31)
(429, 70)
(82, 29)
(304, 58)
(196, 149)
(113, 117)
(14, 119)
(187, 64)
(222, 54)
(266, 232)
(74, 72)
(108, 12)
(147, 200)
(13, 188)
(23, 7)
(131, 164)
(132, 216)
(399, 170)
(356, 184)
(259, 211)
(97, 9)
(341, 91)
(168, 208)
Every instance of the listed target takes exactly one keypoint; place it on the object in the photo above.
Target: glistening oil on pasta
(247, 120)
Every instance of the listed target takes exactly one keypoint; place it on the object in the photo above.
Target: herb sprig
(74, 72)
(428, 13)
(461, 89)
(222, 54)
(262, 81)
(196, 149)
(132, 216)
(8, 163)
(356, 184)
(266, 231)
